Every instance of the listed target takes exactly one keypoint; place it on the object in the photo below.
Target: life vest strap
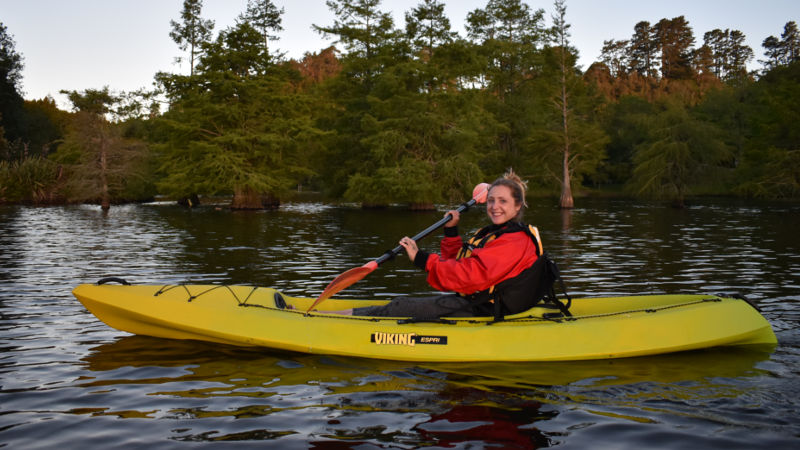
(532, 286)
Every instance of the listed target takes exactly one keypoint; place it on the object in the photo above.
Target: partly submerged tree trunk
(248, 198)
(422, 206)
(566, 201)
(190, 201)
(245, 198)
(105, 197)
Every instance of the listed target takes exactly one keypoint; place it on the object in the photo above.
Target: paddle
(354, 275)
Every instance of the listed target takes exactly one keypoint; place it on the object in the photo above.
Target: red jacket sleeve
(501, 259)
(450, 246)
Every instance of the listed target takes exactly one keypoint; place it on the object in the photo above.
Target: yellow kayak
(599, 328)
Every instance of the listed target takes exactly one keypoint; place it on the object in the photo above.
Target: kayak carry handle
(121, 281)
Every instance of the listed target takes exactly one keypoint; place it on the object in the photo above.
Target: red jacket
(501, 259)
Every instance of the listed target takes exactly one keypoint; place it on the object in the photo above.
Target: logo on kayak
(409, 339)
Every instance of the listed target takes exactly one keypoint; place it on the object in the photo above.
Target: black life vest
(521, 292)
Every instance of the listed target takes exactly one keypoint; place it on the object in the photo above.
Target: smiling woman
(491, 274)
(505, 203)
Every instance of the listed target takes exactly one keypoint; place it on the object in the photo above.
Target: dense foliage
(418, 114)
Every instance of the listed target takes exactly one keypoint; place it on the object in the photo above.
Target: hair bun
(523, 185)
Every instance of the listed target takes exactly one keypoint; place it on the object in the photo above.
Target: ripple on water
(66, 377)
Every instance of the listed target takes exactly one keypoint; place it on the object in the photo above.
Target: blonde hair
(518, 189)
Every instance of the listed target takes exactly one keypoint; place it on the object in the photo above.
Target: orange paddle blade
(480, 192)
(344, 281)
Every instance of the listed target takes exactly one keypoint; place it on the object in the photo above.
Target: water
(67, 379)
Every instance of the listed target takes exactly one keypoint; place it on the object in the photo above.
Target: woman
(491, 273)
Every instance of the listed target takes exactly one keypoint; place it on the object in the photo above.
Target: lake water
(68, 380)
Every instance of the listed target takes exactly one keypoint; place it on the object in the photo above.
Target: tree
(643, 49)
(729, 55)
(510, 33)
(11, 102)
(680, 152)
(237, 51)
(739, 55)
(102, 165)
(192, 31)
(509, 37)
(421, 147)
(783, 51)
(615, 55)
(238, 126)
(716, 41)
(318, 67)
(773, 51)
(446, 61)
(265, 17)
(704, 64)
(371, 45)
(770, 165)
(561, 31)
(790, 41)
(427, 27)
(675, 39)
(623, 121)
(43, 125)
(564, 144)
(10, 61)
(366, 33)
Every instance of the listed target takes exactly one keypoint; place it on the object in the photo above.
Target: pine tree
(783, 51)
(427, 26)
(739, 55)
(773, 51)
(265, 17)
(643, 49)
(675, 40)
(366, 33)
(615, 55)
(728, 53)
(790, 41)
(192, 31)
(511, 34)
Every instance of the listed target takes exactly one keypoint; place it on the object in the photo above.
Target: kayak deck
(602, 327)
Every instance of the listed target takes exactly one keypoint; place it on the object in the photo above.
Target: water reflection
(433, 403)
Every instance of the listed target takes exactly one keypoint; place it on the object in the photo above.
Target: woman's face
(500, 205)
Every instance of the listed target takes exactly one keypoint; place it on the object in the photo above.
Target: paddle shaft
(346, 279)
(396, 251)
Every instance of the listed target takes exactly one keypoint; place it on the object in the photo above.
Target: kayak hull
(600, 328)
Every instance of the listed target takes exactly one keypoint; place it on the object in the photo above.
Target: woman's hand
(410, 246)
(456, 216)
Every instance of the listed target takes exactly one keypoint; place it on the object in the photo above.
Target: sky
(122, 44)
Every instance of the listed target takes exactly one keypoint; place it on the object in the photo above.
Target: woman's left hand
(410, 246)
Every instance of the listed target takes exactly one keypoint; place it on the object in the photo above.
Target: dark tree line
(417, 114)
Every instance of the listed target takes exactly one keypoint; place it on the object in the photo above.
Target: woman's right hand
(455, 217)
(410, 246)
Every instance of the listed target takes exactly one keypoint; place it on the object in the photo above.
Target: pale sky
(88, 44)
